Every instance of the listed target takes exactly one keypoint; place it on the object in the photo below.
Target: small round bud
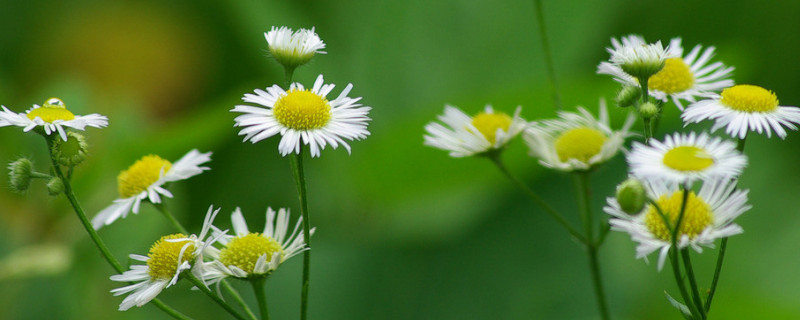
(628, 96)
(631, 196)
(648, 110)
(71, 152)
(55, 186)
(20, 174)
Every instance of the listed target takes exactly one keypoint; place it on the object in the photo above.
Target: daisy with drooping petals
(708, 216)
(144, 180)
(684, 158)
(252, 254)
(52, 117)
(303, 116)
(576, 141)
(466, 136)
(168, 257)
(744, 108)
(682, 78)
(293, 48)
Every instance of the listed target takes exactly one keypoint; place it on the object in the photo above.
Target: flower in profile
(168, 258)
(576, 140)
(52, 117)
(682, 78)
(248, 254)
(467, 136)
(708, 216)
(145, 179)
(744, 108)
(293, 48)
(684, 158)
(303, 116)
(637, 58)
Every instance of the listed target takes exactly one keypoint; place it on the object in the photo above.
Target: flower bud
(628, 96)
(20, 174)
(631, 196)
(55, 186)
(648, 110)
(71, 152)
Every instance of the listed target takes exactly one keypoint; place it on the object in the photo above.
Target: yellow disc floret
(243, 252)
(675, 77)
(581, 143)
(696, 217)
(688, 158)
(52, 110)
(488, 123)
(164, 255)
(749, 98)
(143, 173)
(302, 110)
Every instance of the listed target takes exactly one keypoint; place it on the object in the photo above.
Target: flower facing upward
(168, 257)
(636, 57)
(52, 117)
(248, 254)
(682, 78)
(293, 48)
(744, 108)
(467, 136)
(303, 116)
(709, 215)
(145, 179)
(576, 141)
(684, 158)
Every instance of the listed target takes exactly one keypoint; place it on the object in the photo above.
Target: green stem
(495, 157)
(693, 307)
(676, 271)
(584, 194)
(300, 181)
(202, 287)
(648, 129)
(163, 208)
(287, 77)
(687, 265)
(548, 57)
(258, 289)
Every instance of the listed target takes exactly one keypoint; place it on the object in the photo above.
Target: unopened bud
(55, 186)
(628, 96)
(648, 110)
(631, 196)
(71, 152)
(20, 174)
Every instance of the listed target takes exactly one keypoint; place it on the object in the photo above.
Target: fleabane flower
(708, 216)
(303, 116)
(293, 48)
(145, 180)
(637, 58)
(576, 140)
(684, 158)
(248, 254)
(464, 136)
(51, 117)
(168, 258)
(743, 108)
(682, 78)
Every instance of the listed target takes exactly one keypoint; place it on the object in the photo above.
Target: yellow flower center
(675, 77)
(749, 98)
(688, 158)
(696, 217)
(52, 110)
(243, 252)
(581, 143)
(302, 110)
(143, 173)
(488, 123)
(163, 263)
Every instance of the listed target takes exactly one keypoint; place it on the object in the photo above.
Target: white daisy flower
(466, 136)
(145, 180)
(744, 108)
(684, 158)
(246, 254)
(293, 48)
(168, 257)
(302, 114)
(52, 117)
(576, 141)
(636, 57)
(682, 78)
(708, 216)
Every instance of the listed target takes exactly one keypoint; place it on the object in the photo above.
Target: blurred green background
(403, 231)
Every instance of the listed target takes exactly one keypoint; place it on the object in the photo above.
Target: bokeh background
(403, 230)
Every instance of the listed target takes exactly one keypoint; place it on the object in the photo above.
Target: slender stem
(495, 157)
(258, 289)
(163, 208)
(676, 271)
(548, 57)
(648, 129)
(287, 78)
(645, 93)
(584, 194)
(300, 180)
(687, 265)
(597, 281)
(202, 286)
(696, 309)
